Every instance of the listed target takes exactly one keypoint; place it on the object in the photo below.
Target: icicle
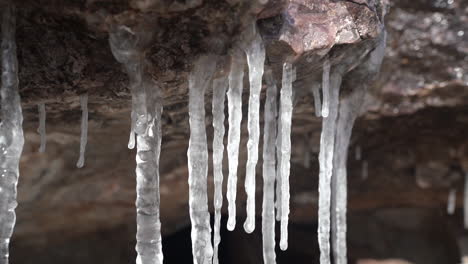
(149, 242)
(451, 201)
(465, 202)
(42, 126)
(234, 95)
(285, 119)
(11, 131)
(358, 153)
(327, 142)
(219, 93)
(126, 45)
(84, 130)
(198, 161)
(326, 88)
(317, 100)
(255, 52)
(269, 173)
(278, 167)
(365, 170)
(131, 140)
(349, 108)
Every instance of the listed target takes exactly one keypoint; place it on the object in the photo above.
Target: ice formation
(269, 170)
(326, 88)
(451, 201)
(285, 119)
(219, 94)
(126, 46)
(278, 167)
(234, 95)
(197, 153)
(255, 52)
(84, 130)
(349, 108)
(317, 100)
(149, 242)
(327, 143)
(42, 126)
(11, 131)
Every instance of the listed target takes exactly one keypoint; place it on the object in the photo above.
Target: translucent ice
(42, 126)
(285, 119)
(269, 173)
(197, 153)
(219, 94)
(255, 52)
(84, 129)
(11, 130)
(234, 95)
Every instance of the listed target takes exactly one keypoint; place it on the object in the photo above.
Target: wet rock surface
(412, 133)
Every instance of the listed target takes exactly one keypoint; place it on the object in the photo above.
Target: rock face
(412, 132)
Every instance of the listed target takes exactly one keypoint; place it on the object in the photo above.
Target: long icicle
(234, 95)
(286, 102)
(219, 94)
(327, 142)
(278, 167)
(197, 153)
(126, 46)
(84, 130)
(255, 52)
(269, 170)
(42, 126)
(349, 109)
(149, 242)
(11, 131)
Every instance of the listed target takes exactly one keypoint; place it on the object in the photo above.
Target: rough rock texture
(412, 132)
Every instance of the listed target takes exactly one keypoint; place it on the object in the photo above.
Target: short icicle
(285, 115)
(42, 126)
(219, 94)
(327, 143)
(11, 130)
(84, 130)
(234, 95)
(126, 46)
(269, 170)
(326, 88)
(317, 101)
(197, 153)
(451, 201)
(255, 52)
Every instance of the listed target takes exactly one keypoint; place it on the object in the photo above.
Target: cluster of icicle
(127, 46)
(338, 118)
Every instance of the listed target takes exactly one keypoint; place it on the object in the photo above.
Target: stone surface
(412, 132)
